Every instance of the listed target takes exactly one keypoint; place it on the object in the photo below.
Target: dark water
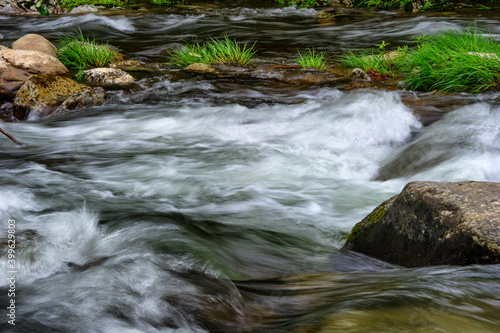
(199, 205)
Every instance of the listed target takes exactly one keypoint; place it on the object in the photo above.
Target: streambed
(196, 204)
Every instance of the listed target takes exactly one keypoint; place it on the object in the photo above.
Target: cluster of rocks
(35, 84)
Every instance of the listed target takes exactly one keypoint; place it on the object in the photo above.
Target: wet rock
(132, 66)
(359, 74)
(7, 112)
(434, 223)
(107, 76)
(84, 9)
(9, 7)
(200, 68)
(29, 7)
(34, 42)
(85, 98)
(41, 95)
(16, 66)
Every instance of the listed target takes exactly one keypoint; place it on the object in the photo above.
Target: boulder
(16, 66)
(433, 223)
(34, 42)
(107, 76)
(43, 95)
(84, 98)
(200, 68)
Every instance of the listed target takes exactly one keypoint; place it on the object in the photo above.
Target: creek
(205, 205)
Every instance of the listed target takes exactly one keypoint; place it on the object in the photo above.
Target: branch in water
(12, 138)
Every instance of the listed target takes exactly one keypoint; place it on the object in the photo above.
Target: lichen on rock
(434, 224)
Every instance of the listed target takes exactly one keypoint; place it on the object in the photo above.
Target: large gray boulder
(16, 66)
(433, 223)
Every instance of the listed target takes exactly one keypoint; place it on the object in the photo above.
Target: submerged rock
(16, 66)
(434, 223)
(200, 68)
(43, 95)
(107, 76)
(132, 66)
(34, 42)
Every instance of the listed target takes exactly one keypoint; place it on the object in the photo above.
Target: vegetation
(454, 61)
(167, 2)
(225, 51)
(463, 60)
(379, 60)
(311, 59)
(76, 3)
(421, 5)
(298, 3)
(83, 53)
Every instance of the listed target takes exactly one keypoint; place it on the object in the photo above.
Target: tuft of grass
(76, 3)
(222, 51)
(83, 53)
(167, 2)
(378, 60)
(312, 59)
(463, 60)
(298, 3)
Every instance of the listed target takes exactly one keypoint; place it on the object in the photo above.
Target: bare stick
(12, 138)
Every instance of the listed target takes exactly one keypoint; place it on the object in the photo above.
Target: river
(198, 205)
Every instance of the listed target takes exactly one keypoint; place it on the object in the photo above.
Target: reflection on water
(194, 205)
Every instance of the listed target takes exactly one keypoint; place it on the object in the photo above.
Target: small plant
(82, 53)
(382, 46)
(311, 59)
(216, 51)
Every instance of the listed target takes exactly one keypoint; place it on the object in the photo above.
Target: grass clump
(376, 59)
(83, 53)
(224, 51)
(299, 3)
(312, 59)
(167, 2)
(463, 60)
(451, 61)
(76, 3)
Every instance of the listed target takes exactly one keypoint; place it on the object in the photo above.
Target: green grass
(223, 51)
(83, 53)
(378, 60)
(298, 3)
(312, 59)
(167, 2)
(450, 61)
(76, 3)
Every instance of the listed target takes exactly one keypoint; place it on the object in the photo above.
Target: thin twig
(12, 138)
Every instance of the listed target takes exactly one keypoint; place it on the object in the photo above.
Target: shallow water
(196, 205)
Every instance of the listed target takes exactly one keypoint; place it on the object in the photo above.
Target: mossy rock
(433, 224)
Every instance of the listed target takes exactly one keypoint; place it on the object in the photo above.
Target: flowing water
(202, 205)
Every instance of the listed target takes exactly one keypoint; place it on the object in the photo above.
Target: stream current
(197, 205)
